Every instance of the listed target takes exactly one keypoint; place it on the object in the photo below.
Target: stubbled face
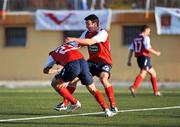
(147, 31)
(91, 26)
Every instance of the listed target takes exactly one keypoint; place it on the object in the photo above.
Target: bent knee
(104, 81)
(54, 82)
(152, 72)
(103, 78)
(92, 89)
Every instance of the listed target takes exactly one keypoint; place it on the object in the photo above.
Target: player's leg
(58, 85)
(71, 87)
(142, 63)
(86, 79)
(152, 72)
(68, 73)
(104, 76)
(139, 79)
(98, 95)
(100, 99)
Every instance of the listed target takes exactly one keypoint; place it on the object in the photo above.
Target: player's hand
(68, 39)
(129, 63)
(59, 69)
(158, 53)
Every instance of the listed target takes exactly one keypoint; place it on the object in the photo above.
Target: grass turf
(35, 102)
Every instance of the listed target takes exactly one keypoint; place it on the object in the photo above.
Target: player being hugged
(74, 65)
(142, 48)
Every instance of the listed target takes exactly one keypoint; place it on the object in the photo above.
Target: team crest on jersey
(94, 48)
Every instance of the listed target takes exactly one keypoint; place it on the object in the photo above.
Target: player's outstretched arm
(157, 53)
(83, 42)
(50, 70)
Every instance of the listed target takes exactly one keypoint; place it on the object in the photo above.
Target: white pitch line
(149, 109)
(86, 114)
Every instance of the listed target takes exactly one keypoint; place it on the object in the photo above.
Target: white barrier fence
(37, 83)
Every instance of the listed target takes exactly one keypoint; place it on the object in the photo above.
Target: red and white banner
(69, 20)
(167, 20)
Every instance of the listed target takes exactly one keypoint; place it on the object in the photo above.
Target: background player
(142, 48)
(74, 64)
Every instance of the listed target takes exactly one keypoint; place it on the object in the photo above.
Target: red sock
(154, 84)
(110, 93)
(71, 90)
(66, 94)
(137, 82)
(100, 99)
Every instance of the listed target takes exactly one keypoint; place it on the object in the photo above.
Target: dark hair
(92, 18)
(144, 27)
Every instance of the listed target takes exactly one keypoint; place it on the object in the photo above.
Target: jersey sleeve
(50, 62)
(101, 36)
(147, 44)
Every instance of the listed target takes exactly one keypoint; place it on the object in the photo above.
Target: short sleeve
(146, 42)
(101, 36)
(50, 62)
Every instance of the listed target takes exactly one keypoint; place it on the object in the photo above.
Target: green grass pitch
(37, 102)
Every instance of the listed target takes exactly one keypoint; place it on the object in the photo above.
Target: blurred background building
(24, 50)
